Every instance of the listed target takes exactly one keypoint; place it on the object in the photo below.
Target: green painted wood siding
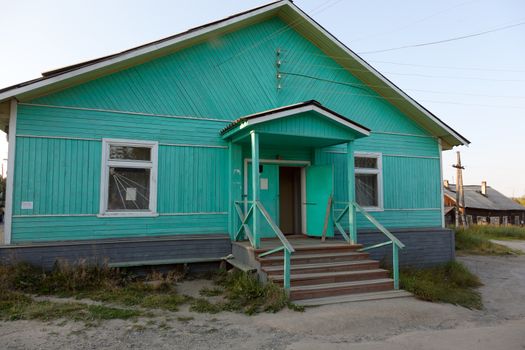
(62, 176)
(43, 121)
(59, 176)
(37, 229)
(204, 81)
(306, 124)
(58, 148)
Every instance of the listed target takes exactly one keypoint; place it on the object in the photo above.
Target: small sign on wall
(27, 205)
(264, 183)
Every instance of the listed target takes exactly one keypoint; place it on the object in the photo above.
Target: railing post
(351, 193)
(286, 270)
(255, 188)
(395, 264)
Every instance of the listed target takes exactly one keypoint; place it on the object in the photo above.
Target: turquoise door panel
(269, 194)
(319, 188)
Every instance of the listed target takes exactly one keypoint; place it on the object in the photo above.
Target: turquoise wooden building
(256, 126)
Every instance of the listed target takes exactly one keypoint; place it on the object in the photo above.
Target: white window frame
(378, 172)
(104, 179)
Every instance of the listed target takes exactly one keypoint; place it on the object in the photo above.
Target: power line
(386, 98)
(422, 90)
(448, 67)
(401, 73)
(445, 40)
(395, 30)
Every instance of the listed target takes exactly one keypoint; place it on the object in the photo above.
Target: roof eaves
(315, 103)
(56, 73)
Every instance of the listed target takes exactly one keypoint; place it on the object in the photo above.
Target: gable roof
(494, 200)
(306, 106)
(59, 79)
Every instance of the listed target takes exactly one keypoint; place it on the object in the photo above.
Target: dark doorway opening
(290, 200)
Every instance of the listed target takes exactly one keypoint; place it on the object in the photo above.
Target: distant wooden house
(483, 205)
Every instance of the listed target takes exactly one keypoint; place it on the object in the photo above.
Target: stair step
(389, 294)
(331, 277)
(356, 265)
(313, 258)
(317, 248)
(340, 288)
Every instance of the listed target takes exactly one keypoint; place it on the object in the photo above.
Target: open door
(319, 188)
(269, 195)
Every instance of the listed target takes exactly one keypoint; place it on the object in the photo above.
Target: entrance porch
(278, 194)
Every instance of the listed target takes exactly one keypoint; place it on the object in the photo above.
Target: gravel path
(518, 245)
(396, 324)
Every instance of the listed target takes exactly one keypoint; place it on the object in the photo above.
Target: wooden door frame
(281, 162)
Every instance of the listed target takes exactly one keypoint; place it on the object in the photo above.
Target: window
(516, 220)
(481, 220)
(470, 220)
(494, 220)
(129, 178)
(368, 180)
(505, 220)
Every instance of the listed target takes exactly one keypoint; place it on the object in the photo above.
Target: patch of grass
(202, 305)
(185, 318)
(243, 293)
(17, 306)
(476, 239)
(210, 292)
(450, 283)
(169, 302)
(99, 283)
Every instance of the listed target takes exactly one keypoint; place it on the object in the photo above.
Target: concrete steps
(340, 288)
(364, 264)
(324, 277)
(350, 298)
(320, 271)
(311, 258)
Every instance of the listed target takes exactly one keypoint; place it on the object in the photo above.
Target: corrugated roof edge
(289, 107)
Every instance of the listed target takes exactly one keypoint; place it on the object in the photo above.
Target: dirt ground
(388, 324)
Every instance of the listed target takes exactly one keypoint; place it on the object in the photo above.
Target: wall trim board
(100, 140)
(127, 112)
(8, 217)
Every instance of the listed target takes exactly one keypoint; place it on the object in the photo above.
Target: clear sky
(476, 85)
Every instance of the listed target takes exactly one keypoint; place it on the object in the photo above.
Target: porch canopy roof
(306, 124)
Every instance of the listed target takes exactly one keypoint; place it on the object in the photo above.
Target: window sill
(372, 209)
(127, 215)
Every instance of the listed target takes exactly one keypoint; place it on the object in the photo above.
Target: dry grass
(235, 291)
(450, 283)
(476, 239)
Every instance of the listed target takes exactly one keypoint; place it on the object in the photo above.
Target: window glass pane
(128, 189)
(366, 190)
(129, 153)
(365, 162)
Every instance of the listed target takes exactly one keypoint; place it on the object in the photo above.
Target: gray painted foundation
(197, 249)
(424, 247)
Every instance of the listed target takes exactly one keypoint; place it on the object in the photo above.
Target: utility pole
(460, 194)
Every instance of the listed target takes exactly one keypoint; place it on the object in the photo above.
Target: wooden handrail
(286, 246)
(275, 228)
(396, 243)
(379, 226)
